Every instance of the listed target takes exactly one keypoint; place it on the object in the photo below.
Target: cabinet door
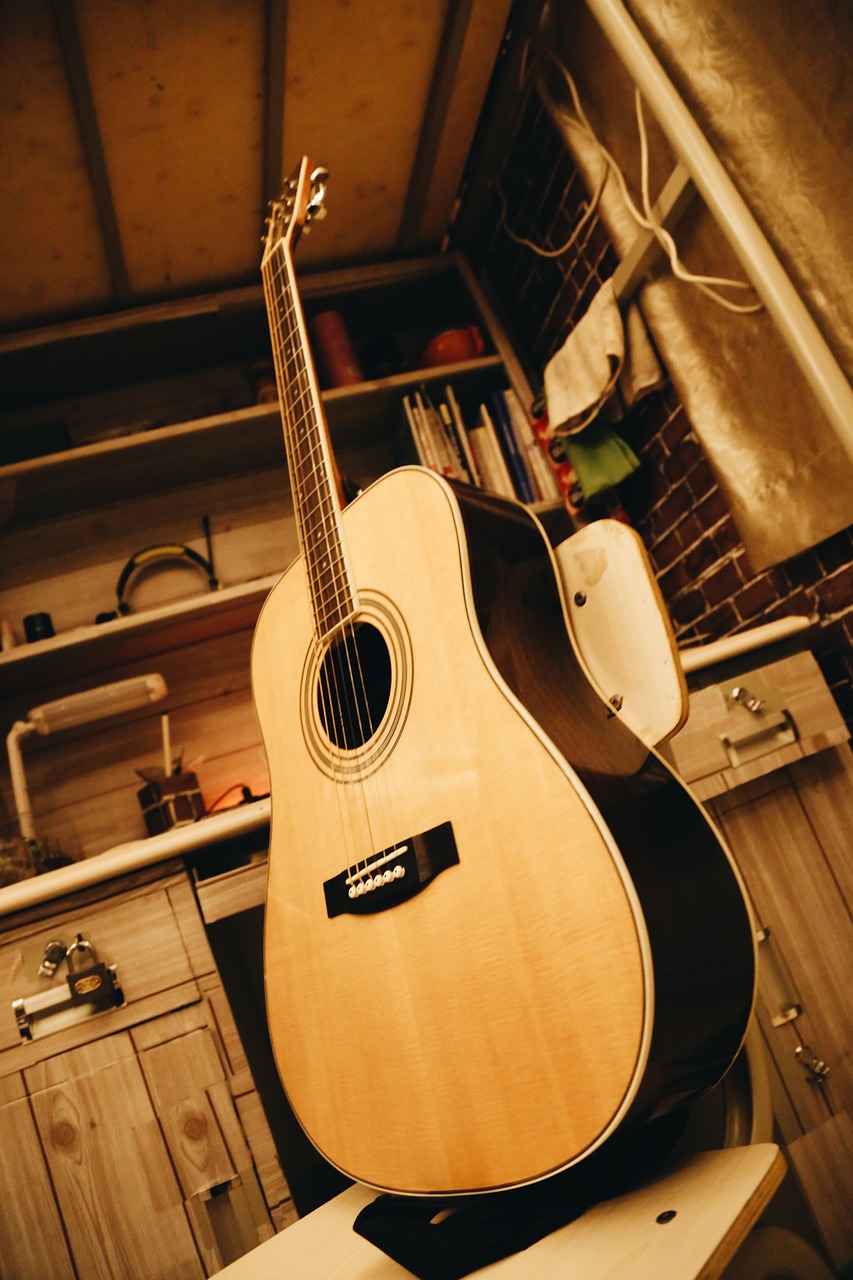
(207, 1146)
(32, 1242)
(119, 1199)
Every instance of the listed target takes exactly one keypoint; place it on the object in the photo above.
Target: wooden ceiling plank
(178, 91)
(355, 98)
(483, 42)
(444, 76)
(84, 109)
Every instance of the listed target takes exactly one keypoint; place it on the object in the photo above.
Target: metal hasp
(392, 875)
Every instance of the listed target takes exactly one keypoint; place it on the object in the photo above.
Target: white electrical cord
(644, 219)
(666, 240)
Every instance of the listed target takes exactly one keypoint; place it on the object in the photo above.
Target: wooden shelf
(92, 650)
(224, 444)
(406, 302)
(129, 466)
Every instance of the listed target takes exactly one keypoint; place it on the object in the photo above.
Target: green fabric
(600, 458)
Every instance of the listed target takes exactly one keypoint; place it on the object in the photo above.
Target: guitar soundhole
(354, 686)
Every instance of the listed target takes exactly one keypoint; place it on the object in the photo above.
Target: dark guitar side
(699, 928)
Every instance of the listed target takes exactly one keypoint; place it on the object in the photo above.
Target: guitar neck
(314, 479)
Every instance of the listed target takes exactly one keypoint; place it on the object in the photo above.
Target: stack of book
(490, 445)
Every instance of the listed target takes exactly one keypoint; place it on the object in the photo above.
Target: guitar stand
(448, 1239)
(686, 1221)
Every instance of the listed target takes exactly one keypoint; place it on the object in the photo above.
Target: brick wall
(673, 501)
(704, 572)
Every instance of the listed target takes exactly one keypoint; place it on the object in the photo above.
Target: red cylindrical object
(335, 350)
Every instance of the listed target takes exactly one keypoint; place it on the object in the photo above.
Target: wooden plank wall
(83, 782)
(69, 567)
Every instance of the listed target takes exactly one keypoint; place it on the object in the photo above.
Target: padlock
(92, 983)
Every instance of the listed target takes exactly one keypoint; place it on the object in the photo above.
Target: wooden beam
(646, 249)
(496, 119)
(274, 84)
(443, 78)
(74, 60)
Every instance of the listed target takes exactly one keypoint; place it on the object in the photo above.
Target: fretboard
(318, 513)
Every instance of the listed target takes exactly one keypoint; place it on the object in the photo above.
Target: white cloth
(602, 362)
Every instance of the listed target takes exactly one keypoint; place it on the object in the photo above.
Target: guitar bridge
(392, 875)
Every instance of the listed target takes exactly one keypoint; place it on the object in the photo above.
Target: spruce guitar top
(498, 929)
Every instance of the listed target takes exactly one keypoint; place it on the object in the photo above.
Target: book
(499, 413)
(419, 439)
(493, 470)
(541, 471)
(462, 435)
(447, 460)
(455, 443)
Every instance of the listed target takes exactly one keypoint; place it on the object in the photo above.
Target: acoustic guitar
(498, 929)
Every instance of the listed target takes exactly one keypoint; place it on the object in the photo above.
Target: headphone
(154, 555)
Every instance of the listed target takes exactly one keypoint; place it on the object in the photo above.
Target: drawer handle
(91, 987)
(766, 733)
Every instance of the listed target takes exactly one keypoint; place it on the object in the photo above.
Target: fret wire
(329, 585)
(310, 488)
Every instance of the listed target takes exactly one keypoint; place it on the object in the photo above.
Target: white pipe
(805, 341)
(705, 655)
(124, 858)
(20, 729)
(67, 713)
(98, 703)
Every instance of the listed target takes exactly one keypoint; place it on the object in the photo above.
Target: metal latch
(815, 1068)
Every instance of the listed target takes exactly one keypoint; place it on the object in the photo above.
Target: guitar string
(332, 617)
(340, 653)
(327, 510)
(347, 649)
(296, 460)
(272, 278)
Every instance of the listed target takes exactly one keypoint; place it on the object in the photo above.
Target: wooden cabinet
(778, 780)
(133, 1142)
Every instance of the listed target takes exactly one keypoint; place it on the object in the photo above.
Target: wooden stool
(686, 1223)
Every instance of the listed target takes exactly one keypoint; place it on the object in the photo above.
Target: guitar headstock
(301, 201)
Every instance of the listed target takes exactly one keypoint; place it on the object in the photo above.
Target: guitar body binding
(582, 957)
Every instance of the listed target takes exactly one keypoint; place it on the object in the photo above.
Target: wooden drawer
(151, 934)
(725, 744)
(232, 891)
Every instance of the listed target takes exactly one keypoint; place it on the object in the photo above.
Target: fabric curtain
(770, 82)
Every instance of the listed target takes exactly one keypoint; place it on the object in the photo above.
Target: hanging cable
(709, 285)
